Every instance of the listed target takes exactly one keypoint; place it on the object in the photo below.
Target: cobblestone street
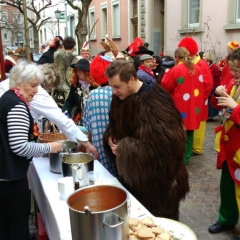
(200, 209)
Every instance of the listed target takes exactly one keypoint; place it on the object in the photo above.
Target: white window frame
(104, 20)
(116, 22)
(5, 38)
(45, 34)
(18, 18)
(92, 22)
(189, 11)
(5, 16)
(41, 37)
(237, 11)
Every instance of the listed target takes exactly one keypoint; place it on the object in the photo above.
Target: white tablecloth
(55, 213)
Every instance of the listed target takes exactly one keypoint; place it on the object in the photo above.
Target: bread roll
(164, 236)
(133, 221)
(157, 230)
(148, 222)
(145, 233)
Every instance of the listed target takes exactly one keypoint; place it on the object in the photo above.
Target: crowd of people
(146, 116)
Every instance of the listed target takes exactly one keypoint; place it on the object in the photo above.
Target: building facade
(163, 23)
(12, 29)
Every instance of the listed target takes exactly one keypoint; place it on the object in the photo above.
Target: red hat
(133, 47)
(190, 44)
(98, 67)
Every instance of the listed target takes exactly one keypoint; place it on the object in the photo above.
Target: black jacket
(47, 57)
(12, 166)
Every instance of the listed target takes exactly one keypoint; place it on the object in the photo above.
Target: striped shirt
(18, 132)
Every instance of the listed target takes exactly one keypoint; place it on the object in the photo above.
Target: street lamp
(58, 16)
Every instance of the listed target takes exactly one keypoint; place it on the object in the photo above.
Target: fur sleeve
(109, 132)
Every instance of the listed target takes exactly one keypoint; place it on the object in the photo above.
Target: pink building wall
(122, 42)
(216, 10)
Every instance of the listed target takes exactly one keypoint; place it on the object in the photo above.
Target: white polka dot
(237, 174)
(186, 96)
(206, 102)
(200, 78)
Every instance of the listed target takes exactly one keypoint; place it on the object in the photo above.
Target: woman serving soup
(17, 147)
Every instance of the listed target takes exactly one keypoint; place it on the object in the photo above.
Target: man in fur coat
(146, 140)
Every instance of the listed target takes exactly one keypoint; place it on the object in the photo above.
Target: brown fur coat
(151, 147)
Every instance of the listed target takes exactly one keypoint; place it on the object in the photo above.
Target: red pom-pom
(98, 67)
(133, 47)
(190, 44)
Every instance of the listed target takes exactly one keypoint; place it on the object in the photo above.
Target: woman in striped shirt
(17, 147)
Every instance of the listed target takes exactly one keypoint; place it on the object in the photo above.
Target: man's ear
(132, 79)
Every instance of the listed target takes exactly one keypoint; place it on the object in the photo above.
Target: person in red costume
(226, 75)
(185, 84)
(207, 56)
(198, 138)
(228, 147)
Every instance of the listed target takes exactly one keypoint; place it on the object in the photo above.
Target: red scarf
(35, 126)
(19, 94)
(146, 70)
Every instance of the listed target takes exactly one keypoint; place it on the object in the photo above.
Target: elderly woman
(17, 147)
(82, 84)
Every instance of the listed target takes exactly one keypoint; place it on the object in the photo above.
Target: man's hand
(90, 149)
(112, 144)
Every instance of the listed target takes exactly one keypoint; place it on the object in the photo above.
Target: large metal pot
(55, 158)
(99, 212)
(77, 165)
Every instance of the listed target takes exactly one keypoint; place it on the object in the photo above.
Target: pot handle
(121, 221)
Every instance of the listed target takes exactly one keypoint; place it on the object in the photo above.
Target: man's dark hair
(69, 43)
(234, 56)
(123, 68)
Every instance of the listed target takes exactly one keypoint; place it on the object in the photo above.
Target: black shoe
(32, 235)
(218, 227)
(235, 238)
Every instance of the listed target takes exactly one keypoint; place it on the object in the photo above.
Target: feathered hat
(190, 44)
(98, 67)
(111, 50)
(133, 47)
(57, 41)
(85, 46)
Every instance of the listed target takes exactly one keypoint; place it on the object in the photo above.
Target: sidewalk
(200, 208)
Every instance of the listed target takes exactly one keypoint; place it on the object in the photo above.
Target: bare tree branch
(37, 22)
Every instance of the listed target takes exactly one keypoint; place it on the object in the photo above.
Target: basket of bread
(51, 137)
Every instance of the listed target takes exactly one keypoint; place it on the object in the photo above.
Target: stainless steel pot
(55, 158)
(99, 212)
(77, 165)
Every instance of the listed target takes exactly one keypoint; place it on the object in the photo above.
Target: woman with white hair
(17, 147)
